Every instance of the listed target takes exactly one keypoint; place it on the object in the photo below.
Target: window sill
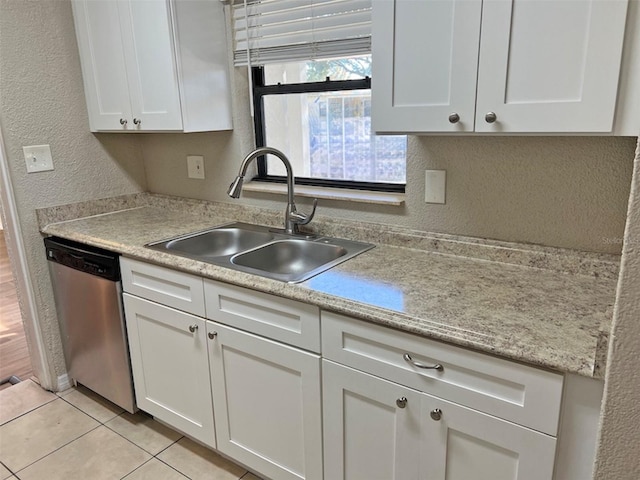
(327, 193)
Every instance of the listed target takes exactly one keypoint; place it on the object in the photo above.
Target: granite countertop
(542, 306)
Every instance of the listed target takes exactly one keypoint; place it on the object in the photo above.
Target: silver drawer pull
(436, 414)
(212, 335)
(401, 402)
(437, 366)
(193, 328)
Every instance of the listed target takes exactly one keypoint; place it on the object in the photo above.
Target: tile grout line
(165, 463)
(135, 444)
(137, 468)
(170, 466)
(100, 424)
(8, 469)
(169, 446)
(88, 414)
(30, 411)
(182, 473)
(55, 450)
(104, 424)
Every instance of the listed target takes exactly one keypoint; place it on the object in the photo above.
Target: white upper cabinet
(627, 120)
(496, 66)
(425, 56)
(103, 63)
(549, 66)
(154, 65)
(151, 70)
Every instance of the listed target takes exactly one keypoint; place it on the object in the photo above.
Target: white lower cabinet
(376, 404)
(376, 429)
(264, 395)
(170, 369)
(267, 403)
(397, 406)
(459, 443)
(366, 434)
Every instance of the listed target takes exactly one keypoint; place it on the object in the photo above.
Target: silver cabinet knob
(408, 359)
(401, 402)
(490, 117)
(212, 335)
(436, 414)
(454, 118)
(193, 328)
(137, 121)
(123, 122)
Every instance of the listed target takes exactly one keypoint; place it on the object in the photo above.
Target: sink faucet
(292, 218)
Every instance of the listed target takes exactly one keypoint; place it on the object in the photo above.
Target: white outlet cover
(38, 158)
(434, 186)
(195, 166)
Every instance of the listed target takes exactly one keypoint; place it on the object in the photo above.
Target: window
(324, 126)
(317, 111)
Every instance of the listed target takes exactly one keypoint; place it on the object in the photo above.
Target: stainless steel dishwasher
(88, 296)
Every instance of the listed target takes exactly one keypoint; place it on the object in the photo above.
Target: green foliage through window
(338, 69)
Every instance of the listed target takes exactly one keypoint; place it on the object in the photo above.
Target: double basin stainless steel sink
(263, 251)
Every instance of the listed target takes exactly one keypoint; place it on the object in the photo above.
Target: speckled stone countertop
(542, 306)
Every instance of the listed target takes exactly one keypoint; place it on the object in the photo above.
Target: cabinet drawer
(524, 395)
(274, 317)
(163, 285)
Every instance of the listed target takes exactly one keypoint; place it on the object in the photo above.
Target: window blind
(277, 31)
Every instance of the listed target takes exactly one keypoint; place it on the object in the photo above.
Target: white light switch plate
(38, 158)
(195, 166)
(434, 186)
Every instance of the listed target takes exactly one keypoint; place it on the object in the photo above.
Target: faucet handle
(301, 218)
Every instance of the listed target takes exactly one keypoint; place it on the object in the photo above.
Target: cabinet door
(460, 443)
(170, 368)
(267, 404)
(549, 66)
(425, 57)
(367, 434)
(103, 65)
(151, 66)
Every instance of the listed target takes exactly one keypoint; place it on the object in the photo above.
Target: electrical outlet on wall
(434, 186)
(195, 166)
(38, 158)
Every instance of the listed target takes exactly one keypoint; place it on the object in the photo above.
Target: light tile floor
(77, 435)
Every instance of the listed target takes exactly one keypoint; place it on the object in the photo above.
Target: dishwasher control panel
(85, 258)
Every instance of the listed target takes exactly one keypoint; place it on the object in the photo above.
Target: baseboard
(64, 382)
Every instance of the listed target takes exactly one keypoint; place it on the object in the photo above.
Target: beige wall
(619, 444)
(560, 191)
(42, 102)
